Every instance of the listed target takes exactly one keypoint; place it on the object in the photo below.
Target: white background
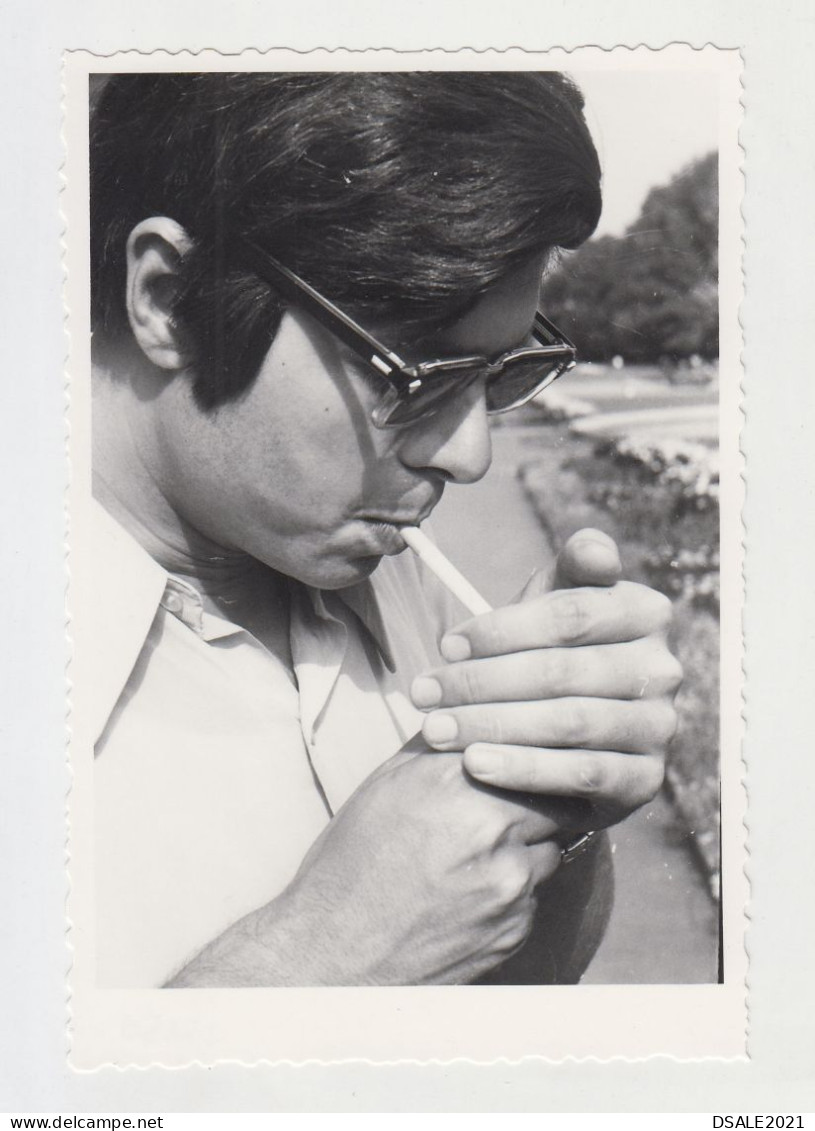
(644, 142)
(779, 44)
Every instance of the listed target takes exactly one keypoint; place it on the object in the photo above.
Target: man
(309, 290)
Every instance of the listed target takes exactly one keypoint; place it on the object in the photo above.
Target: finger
(635, 669)
(565, 618)
(528, 817)
(613, 783)
(633, 727)
(590, 557)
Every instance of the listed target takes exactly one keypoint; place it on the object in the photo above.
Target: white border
(778, 44)
(387, 1024)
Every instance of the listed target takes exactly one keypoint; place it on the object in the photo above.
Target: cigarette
(444, 570)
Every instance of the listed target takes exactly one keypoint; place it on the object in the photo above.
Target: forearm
(420, 878)
(279, 946)
(266, 948)
(574, 908)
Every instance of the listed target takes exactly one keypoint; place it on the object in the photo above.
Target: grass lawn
(572, 483)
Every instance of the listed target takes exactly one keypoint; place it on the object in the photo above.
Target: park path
(664, 923)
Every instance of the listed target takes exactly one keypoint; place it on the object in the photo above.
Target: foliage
(665, 493)
(555, 407)
(691, 574)
(693, 767)
(651, 294)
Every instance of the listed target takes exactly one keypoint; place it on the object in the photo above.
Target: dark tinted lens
(432, 395)
(519, 378)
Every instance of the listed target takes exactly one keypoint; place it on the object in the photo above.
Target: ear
(155, 248)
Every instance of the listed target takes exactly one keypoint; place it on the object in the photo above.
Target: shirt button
(173, 603)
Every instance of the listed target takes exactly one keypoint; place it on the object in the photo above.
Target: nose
(454, 441)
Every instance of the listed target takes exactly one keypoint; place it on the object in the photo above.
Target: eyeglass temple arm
(299, 291)
(556, 332)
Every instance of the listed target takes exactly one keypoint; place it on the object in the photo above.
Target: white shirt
(216, 766)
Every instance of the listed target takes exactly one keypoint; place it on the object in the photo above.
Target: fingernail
(455, 648)
(440, 728)
(603, 549)
(482, 762)
(425, 692)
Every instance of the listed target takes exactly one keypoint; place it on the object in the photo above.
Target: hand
(568, 693)
(422, 877)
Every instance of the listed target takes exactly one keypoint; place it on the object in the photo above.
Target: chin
(349, 573)
(337, 573)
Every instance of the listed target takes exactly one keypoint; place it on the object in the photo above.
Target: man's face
(294, 473)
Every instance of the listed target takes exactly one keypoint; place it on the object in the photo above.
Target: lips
(388, 524)
(387, 530)
(390, 520)
(413, 518)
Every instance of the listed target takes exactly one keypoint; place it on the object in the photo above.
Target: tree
(651, 293)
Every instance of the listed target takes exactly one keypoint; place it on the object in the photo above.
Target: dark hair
(401, 196)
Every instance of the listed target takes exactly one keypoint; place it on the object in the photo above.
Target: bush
(665, 494)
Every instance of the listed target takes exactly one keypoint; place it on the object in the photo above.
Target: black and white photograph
(405, 550)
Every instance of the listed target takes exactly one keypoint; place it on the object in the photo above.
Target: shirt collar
(362, 600)
(129, 588)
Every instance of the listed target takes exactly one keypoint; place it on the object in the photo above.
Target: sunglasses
(415, 392)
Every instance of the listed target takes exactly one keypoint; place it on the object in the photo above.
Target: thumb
(589, 557)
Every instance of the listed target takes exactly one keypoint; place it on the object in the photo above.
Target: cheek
(298, 452)
(299, 467)
(317, 430)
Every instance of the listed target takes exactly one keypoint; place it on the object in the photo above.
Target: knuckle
(673, 674)
(657, 777)
(570, 615)
(510, 935)
(663, 722)
(661, 674)
(592, 777)
(647, 727)
(647, 779)
(662, 609)
(518, 929)
(670, 722)
(572, 725)
(513, 883)
(497, 829)
(469, 683)
(492, 819)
